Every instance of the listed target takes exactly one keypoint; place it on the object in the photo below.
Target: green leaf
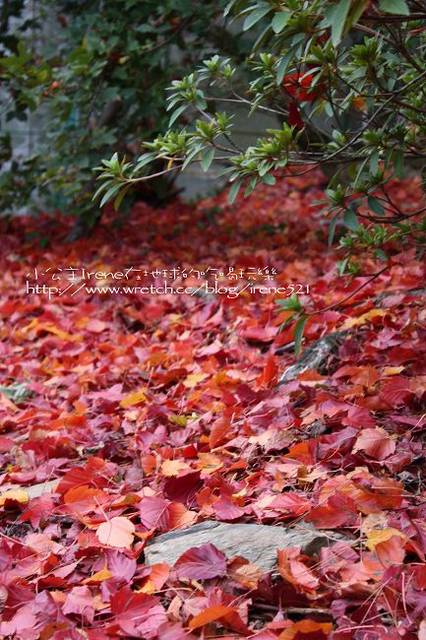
(341, 266)
(16, 392)
(233, 192)
(98, 192)
(336, 18)
(191, 155)
(280, 20)
(290, 304)
(358, 8)
(109, 194)
(254, 17)
(262, 39)
(229, 7)
(285, 324)
(114, 162)
(283, 65)
(206, 159)
(119, 199)
(298, 334)
(399, 7)
(374, 163)
(375, 205)
(398, 160)
(269, 179)
(143, 160)
(177, 113)
(381, 255)
(251, 186)
(351, 219)
(332, 230)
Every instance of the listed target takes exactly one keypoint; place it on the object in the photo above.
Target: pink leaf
(80, 602)
(376, 443)
(154, 513)
(173, 632)
(117, 532)
(137, 614)
(201, 563)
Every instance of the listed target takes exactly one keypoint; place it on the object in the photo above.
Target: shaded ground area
(157, 411)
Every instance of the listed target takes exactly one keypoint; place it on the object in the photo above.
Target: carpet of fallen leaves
(124, 416)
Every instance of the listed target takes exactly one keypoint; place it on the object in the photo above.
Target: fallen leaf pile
(138, 414)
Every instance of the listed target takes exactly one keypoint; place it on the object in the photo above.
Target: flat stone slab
(258, 543)
(37, 490)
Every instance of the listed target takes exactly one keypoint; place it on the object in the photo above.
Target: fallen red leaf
(201, 563)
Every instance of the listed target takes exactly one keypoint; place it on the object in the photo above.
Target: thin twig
(340, 302)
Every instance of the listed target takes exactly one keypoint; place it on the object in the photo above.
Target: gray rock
(37, 490)
(258, 543)
(314, 356)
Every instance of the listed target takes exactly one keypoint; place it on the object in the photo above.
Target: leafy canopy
(345, 81)
(93, 75)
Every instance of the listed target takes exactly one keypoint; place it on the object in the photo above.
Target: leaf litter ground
(124, 416)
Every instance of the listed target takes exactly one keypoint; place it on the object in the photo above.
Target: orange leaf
(295, 572)
(117, 532)
(306, 628)
(126, 500)
(269, 373)
(180, 516)
(211, 614)
(245, 573)
(359, 103)
(158, 576)
(51, 328)
(391, 552)
(219, 433)
(209, 463)
(84, 499)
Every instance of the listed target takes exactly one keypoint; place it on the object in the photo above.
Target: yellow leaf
(149, 587)
(355, 322)
(171, 468)
(193, 379)
(19, 495)
(180, 421)
(63, 335)
(99, 576)
(135, 397)
(222, 378)
(376, 536)
(392, 371)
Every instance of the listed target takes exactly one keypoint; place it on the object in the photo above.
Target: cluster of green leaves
(345, 80)
(94, 74)
(297, 316)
